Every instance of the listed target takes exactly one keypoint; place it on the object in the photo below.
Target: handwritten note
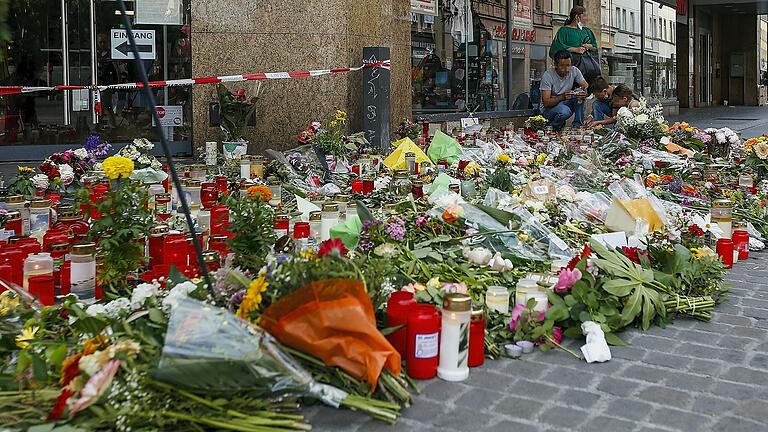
(376, 94)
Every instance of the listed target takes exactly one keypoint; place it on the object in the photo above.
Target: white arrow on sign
(145, 44)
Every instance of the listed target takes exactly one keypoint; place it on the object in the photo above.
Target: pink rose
(557, 334)
(566, 279)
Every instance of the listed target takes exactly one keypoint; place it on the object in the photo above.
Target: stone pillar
(241, 36)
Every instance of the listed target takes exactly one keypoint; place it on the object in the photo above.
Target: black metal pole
(164, 143)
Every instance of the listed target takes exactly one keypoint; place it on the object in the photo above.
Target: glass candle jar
(454, 335)
(357, 186)
(197, 172)
(257, 167)
(218, 243)
(301, 236)
(417, 189)
(71, 219)
(277, 192)
(410, 163)
(245, 167)
(741, 242)
(83, 272)
(401, 184)
(222, 184)
(19, 204)
(281, 225)
(399, 306)
(497, 299)
(524, 290)
(219, 219)
(192, 194)
(39, 218)
(42, 287)
(37, 265)
(156, 243)
(725, 251)
(455, 188)
(341, 200)
(211, 153)
(423, 336)
(14, 259)
(368, 185)
(315, 222)
(153, 191)
(329, 219)
(209, 194)
(476, 339)
(163, 206)
(13, 222)
(722, 214)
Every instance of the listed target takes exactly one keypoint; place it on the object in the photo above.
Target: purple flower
(566, 279)
(517, 313)
(422, 221)
(96, 147)
(235, 300)
(395, 227)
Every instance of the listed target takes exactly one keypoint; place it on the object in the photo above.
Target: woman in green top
(574, 36)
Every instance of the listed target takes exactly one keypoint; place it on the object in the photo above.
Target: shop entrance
(75, 42)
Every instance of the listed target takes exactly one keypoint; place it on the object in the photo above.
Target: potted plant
(235, 110)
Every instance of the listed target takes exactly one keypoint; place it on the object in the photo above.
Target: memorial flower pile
(309, 285)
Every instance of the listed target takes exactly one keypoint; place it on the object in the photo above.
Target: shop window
(459, 67)
(47, 50)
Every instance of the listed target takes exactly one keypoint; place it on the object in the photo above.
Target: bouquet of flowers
(642, 122)
(329, 139)
(236, 108)
(721, 141)
(686, 135)
(756, 150)
(536, 123)
(408, 129)
(139, 153)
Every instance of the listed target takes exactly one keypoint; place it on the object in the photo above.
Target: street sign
(145, 42)
(170, 115)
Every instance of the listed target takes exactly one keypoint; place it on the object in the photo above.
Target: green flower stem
(550, 339)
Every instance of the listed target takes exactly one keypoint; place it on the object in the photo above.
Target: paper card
(612, 240)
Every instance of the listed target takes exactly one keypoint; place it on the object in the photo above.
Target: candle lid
(341, 198)
(159, 230)
(40, 203)
(13, 216)
(219, 238)
(401, 174)
(162, 196)
(720, 203)
(14, 199)
(527, 283)
(210, 257)
(59, 247)
(193, 183)
(410, 154)
(456, 302)
(454, 188)
(84, 249)
(330, 207)
(496, 289)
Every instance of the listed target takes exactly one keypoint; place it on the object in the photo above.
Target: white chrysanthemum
(81, 153)
(40, 181)
(142, 293)
(66, 173)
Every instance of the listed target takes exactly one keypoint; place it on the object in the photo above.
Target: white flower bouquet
(642, 122)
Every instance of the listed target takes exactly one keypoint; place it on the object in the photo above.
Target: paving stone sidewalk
(690, 376)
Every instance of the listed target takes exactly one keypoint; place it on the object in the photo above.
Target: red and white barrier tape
(9, 90)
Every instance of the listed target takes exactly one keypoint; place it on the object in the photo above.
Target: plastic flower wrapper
(348, 232)
(149, 175)
(541, 238)
(443, 147)
(210, 350)
(503, 240)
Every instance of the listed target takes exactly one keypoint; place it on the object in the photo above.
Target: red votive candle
(357, 186)
(42, 288)
(725, 251)
(398, 308)
(741, 243)
(423, 336)
(476, 339)
(368, 185)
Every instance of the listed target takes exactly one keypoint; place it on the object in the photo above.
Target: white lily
(706, 225)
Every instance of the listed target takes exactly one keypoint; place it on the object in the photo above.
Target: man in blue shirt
(560, 97)
(602, 108)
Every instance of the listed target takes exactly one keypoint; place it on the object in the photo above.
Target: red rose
(695, 230)
(631, 253)
(332, 247)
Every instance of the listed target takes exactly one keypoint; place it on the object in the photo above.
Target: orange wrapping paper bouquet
(333, 320)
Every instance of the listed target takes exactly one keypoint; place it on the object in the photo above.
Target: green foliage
(119, 233)
(251, 223)
(21, 185)
(235, 112)
(500, 179)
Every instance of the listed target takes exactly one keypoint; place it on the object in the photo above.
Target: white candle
(454, 338)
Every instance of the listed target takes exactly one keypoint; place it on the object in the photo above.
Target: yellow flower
(8, 302)
(665, 127)
(504, 158)
(688, 129)
(472, 168)
(541, 158)
(307, 254)
(523, 237)
(24, 169)
(26, 335)
(434, 283)
(252, 300)
(341, 117)
(653, 178)
(117, 166)
(702, 252)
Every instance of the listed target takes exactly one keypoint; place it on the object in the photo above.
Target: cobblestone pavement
(690, 376)
(749, 120)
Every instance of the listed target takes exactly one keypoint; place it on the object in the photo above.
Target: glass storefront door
(79, 42)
